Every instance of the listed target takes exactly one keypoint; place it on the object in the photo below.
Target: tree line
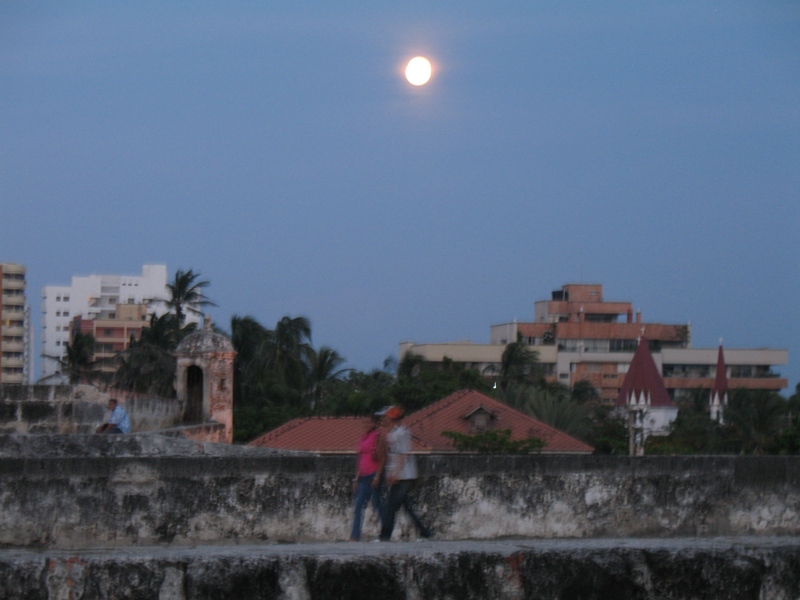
(280, 375)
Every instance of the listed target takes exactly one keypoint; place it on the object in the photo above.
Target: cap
(394, 412)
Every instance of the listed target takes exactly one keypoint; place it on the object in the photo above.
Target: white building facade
(94, 297)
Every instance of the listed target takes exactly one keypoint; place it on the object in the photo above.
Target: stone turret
(205, 378)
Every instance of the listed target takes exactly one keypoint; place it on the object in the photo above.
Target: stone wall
(545, 570)
(81, 494)
(79, 409)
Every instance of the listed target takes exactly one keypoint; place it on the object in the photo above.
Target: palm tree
(755, 418)
(554, 406)
(289, 352)
(518, 365)
(325, 365)
(249, 338)
(186, 295)
(148, 365)
(274, 365)
(78, 362)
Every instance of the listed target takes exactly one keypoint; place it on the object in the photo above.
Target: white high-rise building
(94, 297)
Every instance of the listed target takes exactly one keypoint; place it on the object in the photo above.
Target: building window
(480, 422)
(623, 345)
(741, 371)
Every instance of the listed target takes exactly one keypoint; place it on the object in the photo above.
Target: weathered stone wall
(121, 495)
(78, 409)
(567, 570)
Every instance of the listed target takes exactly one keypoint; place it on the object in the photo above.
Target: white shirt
(398, 441)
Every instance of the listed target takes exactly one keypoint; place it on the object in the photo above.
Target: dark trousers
(397, 497)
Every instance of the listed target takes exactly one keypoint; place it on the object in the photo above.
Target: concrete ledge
(555, 569)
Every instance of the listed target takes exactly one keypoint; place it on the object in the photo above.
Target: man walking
(401, 471)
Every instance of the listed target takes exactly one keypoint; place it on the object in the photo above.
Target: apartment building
(97, 298)
(16, 348)
(578, 335)
(113, 335)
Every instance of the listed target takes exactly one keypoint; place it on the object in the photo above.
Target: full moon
(418, 71)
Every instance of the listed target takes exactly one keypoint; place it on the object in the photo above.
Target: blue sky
(653, 147)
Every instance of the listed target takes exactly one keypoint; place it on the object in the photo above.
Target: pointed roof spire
(720, 381)
(643, 384)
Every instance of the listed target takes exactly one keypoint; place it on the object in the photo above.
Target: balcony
(13, 299)
(773, 383)
(15, 376)
(12, 363)
(10, 283)
(13, 330)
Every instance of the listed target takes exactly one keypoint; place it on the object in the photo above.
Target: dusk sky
(276, 148)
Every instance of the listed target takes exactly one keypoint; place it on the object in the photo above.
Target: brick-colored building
(112, 335)
(578, 335)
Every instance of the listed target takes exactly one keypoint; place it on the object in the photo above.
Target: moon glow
(418, 71)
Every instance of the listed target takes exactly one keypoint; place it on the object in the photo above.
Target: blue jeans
(365, 492)
(397, 497)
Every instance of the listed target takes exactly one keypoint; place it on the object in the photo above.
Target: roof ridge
(432, 409)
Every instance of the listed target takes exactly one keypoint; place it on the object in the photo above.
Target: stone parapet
(191, 493)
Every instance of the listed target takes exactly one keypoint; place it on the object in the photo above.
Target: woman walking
(367, 470)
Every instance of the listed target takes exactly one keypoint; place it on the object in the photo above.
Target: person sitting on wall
(118, 422)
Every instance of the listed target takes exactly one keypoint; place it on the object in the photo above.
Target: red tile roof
(316, 434)
(450, 414)
(341, 434)
(643, 380)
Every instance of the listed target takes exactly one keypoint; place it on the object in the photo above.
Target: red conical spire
(643, 384)
(719, 393)
(721, 381)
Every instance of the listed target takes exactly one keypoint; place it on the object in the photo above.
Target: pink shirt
(367, 464)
